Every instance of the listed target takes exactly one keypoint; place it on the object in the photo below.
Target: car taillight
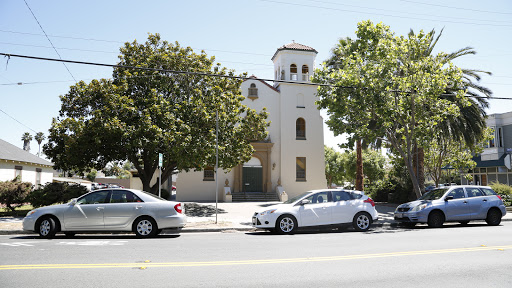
(178, 208)
(499, 197)
(369, 200)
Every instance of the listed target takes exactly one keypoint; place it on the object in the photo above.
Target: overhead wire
(49, 39)
(17, 120)
(444, 19)
(212, 75)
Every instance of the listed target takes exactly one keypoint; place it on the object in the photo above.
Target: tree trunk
(359, 166)
(418, 165)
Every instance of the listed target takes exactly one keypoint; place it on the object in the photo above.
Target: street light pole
(216, 162)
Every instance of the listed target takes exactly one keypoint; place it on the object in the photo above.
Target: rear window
(488, 191)
(354, 195)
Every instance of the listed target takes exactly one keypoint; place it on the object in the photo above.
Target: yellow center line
(251, 262)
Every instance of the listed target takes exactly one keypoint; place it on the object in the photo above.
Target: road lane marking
(251, 262)
(17, 244)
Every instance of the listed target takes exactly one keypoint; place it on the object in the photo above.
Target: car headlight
(267, 212)
(31, 212)
(419, 207)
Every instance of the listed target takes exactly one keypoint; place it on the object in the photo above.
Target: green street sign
(160, 159)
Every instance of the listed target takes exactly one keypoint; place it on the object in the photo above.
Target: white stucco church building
(291, 160)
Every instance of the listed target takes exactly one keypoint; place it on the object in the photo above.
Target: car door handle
(100, 208)
(465, 202)
(138, 207)
(485, 200)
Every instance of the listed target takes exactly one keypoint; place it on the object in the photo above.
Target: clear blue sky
(241, 34)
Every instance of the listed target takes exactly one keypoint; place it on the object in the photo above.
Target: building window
(499, 137)
(305, 73)
(301, 168)
(38, 177)
(208, 174)
(300, 129)
(17, 172)
(293, 72)
(253, 92)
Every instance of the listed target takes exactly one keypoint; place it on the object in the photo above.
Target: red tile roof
(294, 46)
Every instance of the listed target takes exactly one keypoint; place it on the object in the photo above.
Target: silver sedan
(108, 210)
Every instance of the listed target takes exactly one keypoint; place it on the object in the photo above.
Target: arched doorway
(252, 176)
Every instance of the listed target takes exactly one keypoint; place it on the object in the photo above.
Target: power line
(395, 11)
(215, 75)
(122, 42)
(388, 15)
(17, 120)
(49, 39)
(452, 7)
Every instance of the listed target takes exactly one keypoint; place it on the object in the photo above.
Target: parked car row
(145, 214)
(96, 186)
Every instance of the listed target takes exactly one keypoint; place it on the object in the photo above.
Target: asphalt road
(454, 256)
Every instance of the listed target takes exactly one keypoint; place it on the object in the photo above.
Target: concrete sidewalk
(230, 217)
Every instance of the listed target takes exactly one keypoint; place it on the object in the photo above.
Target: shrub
(388, 190)
(55, 192)
(504, 191)
(14, 192)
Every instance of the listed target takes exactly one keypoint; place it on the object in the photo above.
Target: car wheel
(286, 224)
(362, 221)
(493, 217)
(435, 219)
(47, 227)
(145, 227)
(464, 223)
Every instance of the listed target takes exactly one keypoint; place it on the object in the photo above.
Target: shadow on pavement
(97, 237)
(198, 210)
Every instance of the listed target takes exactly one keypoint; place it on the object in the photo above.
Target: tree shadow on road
(198, 210)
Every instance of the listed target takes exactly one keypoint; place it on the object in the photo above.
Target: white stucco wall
(28, 172)
(283, 110)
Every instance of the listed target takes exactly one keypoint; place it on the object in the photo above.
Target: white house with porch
(291, 160)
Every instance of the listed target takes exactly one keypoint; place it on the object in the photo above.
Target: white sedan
(319, 208)
(108, 210)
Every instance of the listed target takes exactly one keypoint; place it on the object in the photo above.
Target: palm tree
(39, 138)
(26, 138)
(470, 124)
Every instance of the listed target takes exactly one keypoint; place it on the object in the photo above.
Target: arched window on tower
(300, 129)
(305, 73)
(253, 92)
(293, 72)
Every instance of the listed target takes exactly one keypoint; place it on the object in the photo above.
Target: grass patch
(18, 211)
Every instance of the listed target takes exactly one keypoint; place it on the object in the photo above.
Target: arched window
(300, 129)
(305, 73)
(293, 72)
(253, 92)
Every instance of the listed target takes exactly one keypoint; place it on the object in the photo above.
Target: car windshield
(434, 194)
(291, 200)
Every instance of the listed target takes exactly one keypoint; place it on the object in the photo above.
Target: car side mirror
(304, 202)
(72, 202)
(448, 198)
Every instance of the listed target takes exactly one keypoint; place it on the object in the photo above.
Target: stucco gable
(13, 153)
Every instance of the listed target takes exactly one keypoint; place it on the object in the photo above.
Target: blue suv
(453, 204)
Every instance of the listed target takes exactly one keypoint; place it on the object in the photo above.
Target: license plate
(253, 221)
(399, 215)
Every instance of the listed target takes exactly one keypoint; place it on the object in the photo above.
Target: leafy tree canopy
(395, 94)
(140, 113)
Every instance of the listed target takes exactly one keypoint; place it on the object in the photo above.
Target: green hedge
(55, 192)
(504, 191)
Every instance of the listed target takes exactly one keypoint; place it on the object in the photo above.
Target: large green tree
(389, 89)
(334, 166)
(140, 113)
(373, 163)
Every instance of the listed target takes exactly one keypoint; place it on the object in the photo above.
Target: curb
(225, 230)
